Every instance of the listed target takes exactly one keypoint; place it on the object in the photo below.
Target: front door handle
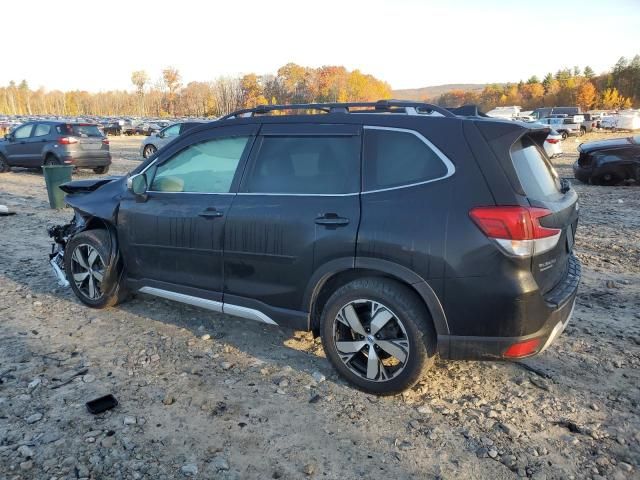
(210, 213)
(331, 220)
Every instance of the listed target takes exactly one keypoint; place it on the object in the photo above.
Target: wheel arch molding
(340, 271)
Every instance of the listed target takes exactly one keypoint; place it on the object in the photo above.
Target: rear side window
(41, 130)
(306, 165)
(82, 131)
(398, 158)
(537, 176)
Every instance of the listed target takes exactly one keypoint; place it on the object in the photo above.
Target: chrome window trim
(451, 169)
(300, 194)
(192, 193)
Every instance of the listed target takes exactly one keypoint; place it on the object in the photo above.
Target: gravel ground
(210, 396)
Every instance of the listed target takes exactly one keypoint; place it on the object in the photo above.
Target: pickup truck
(565, 126)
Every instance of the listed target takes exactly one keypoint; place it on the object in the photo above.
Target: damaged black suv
(394, 230)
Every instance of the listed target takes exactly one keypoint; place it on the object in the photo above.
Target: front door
(174, 239)
(298, 208)
(17, 148)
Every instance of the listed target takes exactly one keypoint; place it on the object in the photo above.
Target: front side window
(42, 130)
(22, 132)
(306, 165)
(206, 167)
(398, 158)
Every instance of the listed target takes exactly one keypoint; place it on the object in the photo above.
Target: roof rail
(409, 107)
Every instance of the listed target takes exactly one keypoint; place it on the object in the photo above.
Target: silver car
(156, 141)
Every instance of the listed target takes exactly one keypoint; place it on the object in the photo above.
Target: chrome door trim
(220, 307)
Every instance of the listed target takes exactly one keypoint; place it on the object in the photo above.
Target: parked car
(552, 144)
(156, 141)
(112, 128)
(35, 144)
(608, 162)
(544, 112)
(565, 126)
(147, 128)
(392, 237)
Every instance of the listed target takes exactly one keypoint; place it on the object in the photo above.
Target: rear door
(39, 138)
(543, 188)
(298, 208)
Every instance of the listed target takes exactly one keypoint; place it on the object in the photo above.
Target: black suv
(394, 230)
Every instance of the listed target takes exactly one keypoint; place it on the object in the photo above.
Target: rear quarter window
(536, 174)
(396, 158)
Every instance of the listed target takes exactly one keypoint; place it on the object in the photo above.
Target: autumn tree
(139, 78)
(586, 96)
(171, 78)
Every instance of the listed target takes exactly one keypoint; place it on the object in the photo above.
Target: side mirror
(137, 184)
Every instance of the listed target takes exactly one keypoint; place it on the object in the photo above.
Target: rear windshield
(536, 174)
(79, 130)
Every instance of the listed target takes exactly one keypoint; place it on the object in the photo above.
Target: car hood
(99, 197)
(604, 144)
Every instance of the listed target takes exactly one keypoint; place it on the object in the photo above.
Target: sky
(95, 46)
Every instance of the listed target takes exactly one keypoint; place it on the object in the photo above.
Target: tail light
(522, 349)
(516, 230)
(105, 141)
(553, 140)
(67, 140)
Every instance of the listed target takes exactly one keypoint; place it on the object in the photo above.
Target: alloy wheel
(87, 269)
(149, 150)
(371, 340)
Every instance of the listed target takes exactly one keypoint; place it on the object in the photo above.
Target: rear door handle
(332, 220)
(210, 213)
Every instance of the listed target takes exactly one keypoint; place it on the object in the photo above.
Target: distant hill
(434, 91)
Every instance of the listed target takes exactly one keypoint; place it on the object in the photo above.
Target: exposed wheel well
(339, 279)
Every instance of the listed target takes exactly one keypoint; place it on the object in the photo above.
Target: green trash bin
(54, 176)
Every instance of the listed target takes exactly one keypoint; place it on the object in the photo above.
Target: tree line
(615, 90)
(168, 97)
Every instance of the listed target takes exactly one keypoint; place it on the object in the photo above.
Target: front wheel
(378, 335)
(583, 131)
(94, 276)
(564, 135)
(4, 165)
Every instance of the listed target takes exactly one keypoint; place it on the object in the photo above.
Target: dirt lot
(211, 396)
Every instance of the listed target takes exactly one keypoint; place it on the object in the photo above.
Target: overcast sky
(409, 43)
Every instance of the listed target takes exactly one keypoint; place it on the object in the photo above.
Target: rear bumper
(559, 308)
(88, 160)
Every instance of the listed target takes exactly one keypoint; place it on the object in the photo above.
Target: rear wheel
(101, 170)
(51, 160)
(378, 335)
(4, 165)
(564, 135)
(608, 179)
(149, 150)
(90, 270)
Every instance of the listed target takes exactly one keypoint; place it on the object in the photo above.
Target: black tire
(101, 170)
(583, 131)
(4, 165)
(107, 292)
(148, 150)
(50, 160)
(608, 179)
(564, 135)
(410, 327)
